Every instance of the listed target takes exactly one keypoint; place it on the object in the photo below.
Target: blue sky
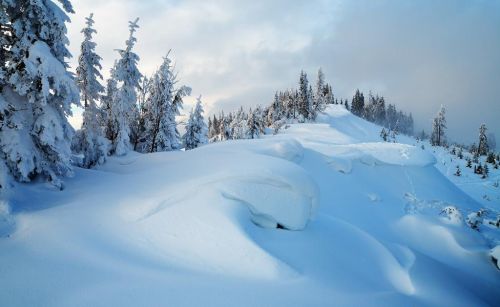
(418, 54)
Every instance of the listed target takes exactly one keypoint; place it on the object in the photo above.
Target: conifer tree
(305, 103)
(90, 139)
(196, 129)
(482, 148)
(106, 116)
(321, 91)
(124, 107)
(253, 129)
(163, 104)
(438, 137)
(37, 89)
(358, 103)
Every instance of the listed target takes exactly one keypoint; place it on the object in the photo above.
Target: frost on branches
(90, 140)
(124, 110)
(438, 137)
(162, 105)
(37, 89)
(196, 129)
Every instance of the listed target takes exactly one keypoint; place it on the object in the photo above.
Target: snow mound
(495, 255)
(285, 148)
(384, 153)
(288, 202)
(341, 165)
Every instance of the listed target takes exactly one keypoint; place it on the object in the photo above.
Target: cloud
(419, 54)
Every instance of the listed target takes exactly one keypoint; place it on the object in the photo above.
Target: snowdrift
(322, 214)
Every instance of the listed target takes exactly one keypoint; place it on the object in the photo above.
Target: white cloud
(418, 54)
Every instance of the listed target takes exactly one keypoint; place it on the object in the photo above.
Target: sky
(417, 54)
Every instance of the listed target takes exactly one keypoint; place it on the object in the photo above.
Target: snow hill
(322, 214)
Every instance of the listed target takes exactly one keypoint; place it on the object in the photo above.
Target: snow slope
(359, 223)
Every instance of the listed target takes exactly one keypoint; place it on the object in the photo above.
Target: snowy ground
(362, 226)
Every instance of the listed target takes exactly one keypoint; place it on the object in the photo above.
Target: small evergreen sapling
(196, 129)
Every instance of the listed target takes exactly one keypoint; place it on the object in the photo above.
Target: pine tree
(139, 141)
(358, 103)
(458, 172)
(469, 163)
(485, 171)
(438, 137)
(320, 98)
(253, 129)
(196, 129)
(37, 89)
(212, 129)
(164, 103)
(479, 169)
(124, 107)
(90, 139)
(305, 103)
(482, 148)
(106, 116)
(490, 158)
(384, 134)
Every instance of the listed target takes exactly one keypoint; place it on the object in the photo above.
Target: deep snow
(180, 228)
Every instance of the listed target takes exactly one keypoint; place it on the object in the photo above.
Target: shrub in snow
(475, 219)
(452, 215)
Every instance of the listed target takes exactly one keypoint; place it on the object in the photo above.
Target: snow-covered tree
(138, 139)
(196, 129)
(163, 104)
(321, 92)
(253, 127)
(358, 103)
(37, 89)
(90, 140)
(124, 109)
(482, 148)
(438, 137)
(106, 111)
(305, 99)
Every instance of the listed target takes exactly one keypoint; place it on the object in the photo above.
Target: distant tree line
(303, 104)
(376, 111)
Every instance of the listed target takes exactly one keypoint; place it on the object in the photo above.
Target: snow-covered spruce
(483, 148)
(37, 90)
(438, 136)
(90, 140)
(196, 129)
(161, 107)
(124, 112)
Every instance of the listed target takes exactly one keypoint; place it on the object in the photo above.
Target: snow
(362, 220)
